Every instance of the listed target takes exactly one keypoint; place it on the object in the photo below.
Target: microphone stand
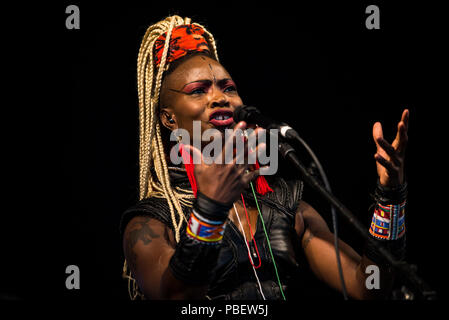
(288, 153)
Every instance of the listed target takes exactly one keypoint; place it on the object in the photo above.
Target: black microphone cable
(333, 212)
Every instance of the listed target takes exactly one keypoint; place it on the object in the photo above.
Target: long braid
(151, 149)
(145, 74)
(162, 173)
(210, 39)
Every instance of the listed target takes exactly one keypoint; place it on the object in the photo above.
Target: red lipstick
(221, 117)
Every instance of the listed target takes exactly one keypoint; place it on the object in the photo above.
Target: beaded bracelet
(204, 230)
(388, 221)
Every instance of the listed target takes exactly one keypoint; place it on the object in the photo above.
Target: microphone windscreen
(243, 113)
(239, 114)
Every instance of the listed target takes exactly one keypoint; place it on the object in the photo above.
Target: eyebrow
(206, 81)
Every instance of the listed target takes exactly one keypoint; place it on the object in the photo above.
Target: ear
(168, 119)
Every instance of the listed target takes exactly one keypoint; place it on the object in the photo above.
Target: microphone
(252, 115)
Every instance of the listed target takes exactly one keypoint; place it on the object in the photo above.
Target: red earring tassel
(262, 186)
(188, 164)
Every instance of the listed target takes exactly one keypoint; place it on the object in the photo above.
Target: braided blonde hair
(151, 149)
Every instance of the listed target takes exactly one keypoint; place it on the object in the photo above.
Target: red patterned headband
(184, 39)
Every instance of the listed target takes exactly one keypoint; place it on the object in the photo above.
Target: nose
(219, 99)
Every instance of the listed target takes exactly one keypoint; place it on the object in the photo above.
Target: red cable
(252, 237)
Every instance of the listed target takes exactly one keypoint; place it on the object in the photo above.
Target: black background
(71, 126)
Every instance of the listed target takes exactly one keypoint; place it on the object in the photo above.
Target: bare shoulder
(145, 235)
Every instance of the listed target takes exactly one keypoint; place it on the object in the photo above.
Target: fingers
(377, 132)
(405, 117)
(249, 176)
(390, 157)
(238, 130)
(250, 155)
(389, 150)
(259, 149)
(401, 140)
(247, 154)
(392, 169)
(237, 140)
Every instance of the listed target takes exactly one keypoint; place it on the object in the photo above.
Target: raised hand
(224, 182)
(390, 157)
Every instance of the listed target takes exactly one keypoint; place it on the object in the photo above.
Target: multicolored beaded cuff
(205, 230)
(388, 221)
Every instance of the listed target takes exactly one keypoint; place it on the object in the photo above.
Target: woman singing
(221, 231)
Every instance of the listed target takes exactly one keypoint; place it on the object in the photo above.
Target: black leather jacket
(233, 277)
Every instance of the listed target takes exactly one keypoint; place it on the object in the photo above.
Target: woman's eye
(230, 88)
(198, 90)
